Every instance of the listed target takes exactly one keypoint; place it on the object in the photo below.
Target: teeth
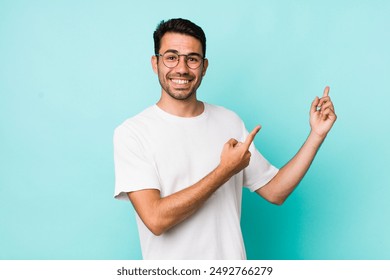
(180, 82)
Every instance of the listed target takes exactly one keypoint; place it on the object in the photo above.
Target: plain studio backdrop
(71, 71)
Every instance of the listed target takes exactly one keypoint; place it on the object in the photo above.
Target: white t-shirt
(157, 150)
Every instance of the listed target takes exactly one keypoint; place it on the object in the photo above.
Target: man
(183, 162)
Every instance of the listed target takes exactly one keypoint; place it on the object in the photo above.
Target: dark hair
(178, 25)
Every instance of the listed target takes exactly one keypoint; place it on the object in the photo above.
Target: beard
(179, 94)
(177, 91)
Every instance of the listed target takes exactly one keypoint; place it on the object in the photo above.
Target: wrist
(315, 139)
(223, 173)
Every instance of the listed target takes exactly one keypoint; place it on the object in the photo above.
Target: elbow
(156, 231)
(155, 226)
(277, 200)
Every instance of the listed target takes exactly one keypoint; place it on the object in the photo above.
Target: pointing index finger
(326, 91)
(251, 136)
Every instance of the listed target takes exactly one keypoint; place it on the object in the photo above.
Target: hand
(322, 114)
(235, 155)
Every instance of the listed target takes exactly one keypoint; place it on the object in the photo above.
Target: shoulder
(226, 122)
(224, 113)
(136, 126)
(137, 120)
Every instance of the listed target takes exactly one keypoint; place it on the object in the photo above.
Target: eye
(193, 59)
(170, 57)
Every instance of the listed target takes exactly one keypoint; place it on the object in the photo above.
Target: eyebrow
(177, 52)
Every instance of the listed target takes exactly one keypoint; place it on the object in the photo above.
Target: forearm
(289, 176)
(322, 118)
(160, 214)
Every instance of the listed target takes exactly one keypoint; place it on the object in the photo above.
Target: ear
(205, 65)
(153, 60)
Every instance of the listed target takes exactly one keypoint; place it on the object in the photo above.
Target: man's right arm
(162, 213)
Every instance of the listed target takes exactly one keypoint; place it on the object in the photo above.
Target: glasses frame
(178, 61)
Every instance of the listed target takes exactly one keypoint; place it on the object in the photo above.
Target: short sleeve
(133, 169)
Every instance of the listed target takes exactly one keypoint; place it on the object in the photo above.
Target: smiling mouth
(180, 81)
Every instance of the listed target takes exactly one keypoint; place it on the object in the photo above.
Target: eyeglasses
(171, 59)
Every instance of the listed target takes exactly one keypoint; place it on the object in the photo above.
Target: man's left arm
(322, 118)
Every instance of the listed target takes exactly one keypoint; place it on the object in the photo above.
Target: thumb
(232, 142)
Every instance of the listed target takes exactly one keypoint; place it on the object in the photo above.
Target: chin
(181, 96)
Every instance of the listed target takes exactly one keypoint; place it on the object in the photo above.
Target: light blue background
(71, 71)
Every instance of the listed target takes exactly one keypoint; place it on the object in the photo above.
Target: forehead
(181, 43)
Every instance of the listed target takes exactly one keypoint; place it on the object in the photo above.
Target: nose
(182, 66)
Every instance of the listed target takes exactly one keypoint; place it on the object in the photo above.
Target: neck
(182, 108)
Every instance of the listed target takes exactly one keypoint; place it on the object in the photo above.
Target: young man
(183, 162)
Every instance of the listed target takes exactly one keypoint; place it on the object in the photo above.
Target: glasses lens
(170, 59)
(194, 61)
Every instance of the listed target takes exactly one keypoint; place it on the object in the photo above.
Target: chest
(183, 155)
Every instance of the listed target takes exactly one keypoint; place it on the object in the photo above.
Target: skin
(160, 214)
